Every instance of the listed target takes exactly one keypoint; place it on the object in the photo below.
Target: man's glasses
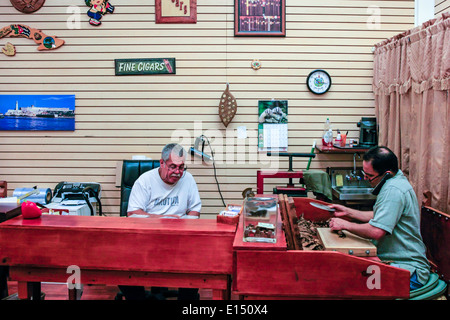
(180, 168)
(370, 177)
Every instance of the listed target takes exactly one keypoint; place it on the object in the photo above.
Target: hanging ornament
(27, 6)
(227, 106)
(256, 64)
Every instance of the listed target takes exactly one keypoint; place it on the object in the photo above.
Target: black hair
(382, 159)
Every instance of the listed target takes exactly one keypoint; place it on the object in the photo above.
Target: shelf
(325, 149)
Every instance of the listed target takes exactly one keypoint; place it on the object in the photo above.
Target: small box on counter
(230, 215)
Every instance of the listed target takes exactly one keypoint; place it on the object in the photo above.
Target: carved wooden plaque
(227, 106)
(27, 6)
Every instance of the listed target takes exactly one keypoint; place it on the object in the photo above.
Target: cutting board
(351, 244)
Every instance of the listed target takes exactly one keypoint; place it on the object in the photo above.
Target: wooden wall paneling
(118, 117)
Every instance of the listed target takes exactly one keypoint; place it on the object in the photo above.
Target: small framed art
(176, 11)
(260, 18)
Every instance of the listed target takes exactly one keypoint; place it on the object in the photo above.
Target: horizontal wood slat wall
(118, 117)
(441, 6)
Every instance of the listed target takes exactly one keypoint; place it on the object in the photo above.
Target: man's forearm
(364, 230)
(362, 216)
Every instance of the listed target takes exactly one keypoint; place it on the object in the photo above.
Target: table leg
(219, 294)
(29, 290)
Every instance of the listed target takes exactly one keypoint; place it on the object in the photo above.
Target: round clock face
(318, 81)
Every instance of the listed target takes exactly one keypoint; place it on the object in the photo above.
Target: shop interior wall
(441, 6)
(118, 117)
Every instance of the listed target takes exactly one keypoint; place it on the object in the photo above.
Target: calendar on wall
(273, 125)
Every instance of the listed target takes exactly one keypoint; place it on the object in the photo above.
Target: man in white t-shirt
(166, 191)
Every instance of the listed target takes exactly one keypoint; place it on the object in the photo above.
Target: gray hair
(174, 148)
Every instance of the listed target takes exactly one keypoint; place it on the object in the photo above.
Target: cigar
(340, 233)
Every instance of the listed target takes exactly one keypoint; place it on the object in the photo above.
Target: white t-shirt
(151, 194)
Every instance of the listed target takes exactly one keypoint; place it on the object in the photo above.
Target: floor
(58, 291)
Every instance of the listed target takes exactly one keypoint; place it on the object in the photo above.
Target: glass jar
(260, 219)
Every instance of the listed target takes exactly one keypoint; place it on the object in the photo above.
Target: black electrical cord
(86, 198)
(214, 166)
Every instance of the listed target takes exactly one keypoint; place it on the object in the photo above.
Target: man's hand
(341, 211)
(337, 224)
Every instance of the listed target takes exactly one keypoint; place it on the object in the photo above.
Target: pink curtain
(411, 84)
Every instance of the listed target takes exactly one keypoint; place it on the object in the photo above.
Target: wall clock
(27, 6)
(318, 81)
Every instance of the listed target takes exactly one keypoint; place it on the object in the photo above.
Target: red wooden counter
(271, 271)
(116, 250)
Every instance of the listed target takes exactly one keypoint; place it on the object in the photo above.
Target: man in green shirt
(394, 223)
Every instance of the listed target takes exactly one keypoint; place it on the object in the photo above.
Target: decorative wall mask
(27, 6)
(19, 30)
(98, 9)
(227, 107)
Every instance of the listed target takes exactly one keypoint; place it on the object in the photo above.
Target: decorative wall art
(19, 30)
(9, 49)
(98, 9)
(27, 6)
(176, 11)
(227, 107)
(37, 112)
(260, 18)
(130, 67)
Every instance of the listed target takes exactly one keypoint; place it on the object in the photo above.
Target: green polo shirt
(396, 211)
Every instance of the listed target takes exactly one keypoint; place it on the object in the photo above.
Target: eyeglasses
(180, 168)
(370, 177)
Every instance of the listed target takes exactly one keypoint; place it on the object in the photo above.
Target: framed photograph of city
(37, 112)
(260, 18)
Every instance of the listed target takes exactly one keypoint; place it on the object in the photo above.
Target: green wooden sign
(128, 67)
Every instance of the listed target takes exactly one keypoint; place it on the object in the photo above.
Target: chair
(433, 289)
(131, 170)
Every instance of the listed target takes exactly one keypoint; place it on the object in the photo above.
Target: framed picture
(176, 11)
(37, 112)
(260, 18)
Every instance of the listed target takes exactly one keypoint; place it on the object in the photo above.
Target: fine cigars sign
(127, 67)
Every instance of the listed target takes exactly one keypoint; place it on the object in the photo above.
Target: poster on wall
(273, 125)
(37, 112)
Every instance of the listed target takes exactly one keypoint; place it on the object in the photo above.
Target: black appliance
(368, 134)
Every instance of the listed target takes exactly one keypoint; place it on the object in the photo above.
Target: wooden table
(119, 251)
(271, 271)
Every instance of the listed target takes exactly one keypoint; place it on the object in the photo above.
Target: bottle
(327, 138)
(338, 138)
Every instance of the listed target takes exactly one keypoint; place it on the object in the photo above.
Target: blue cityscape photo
(37, 112)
